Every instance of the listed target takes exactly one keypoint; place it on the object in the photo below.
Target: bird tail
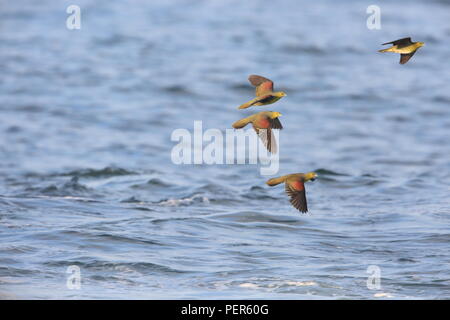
(274, 181)
(241, 123)
(247, 104)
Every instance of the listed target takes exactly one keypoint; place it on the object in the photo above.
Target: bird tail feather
(247, 104)
(274, 181)
(241, 123)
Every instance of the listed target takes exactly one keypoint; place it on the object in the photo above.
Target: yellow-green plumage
(295, 188)
(263, 122)
(405, 47)
(264, 92)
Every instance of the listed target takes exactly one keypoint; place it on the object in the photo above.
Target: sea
(93, 205)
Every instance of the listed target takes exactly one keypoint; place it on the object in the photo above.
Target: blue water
(86, 177)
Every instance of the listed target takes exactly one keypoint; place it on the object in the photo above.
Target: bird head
(274, 114)
(310, 176)
(281, 94)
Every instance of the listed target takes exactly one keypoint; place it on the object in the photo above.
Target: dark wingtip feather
(404, 58)
(298, 201)
(276, 124)
(268, 139)
(403, 41)
(256, 80)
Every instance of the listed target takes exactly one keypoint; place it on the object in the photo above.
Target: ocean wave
(258, 193)
(99, 173)
(152, 183)
(178, 89)
(70, 188)
(89, 263)
(309, 49)
(259, 217)
(274, 284)
(326, 172)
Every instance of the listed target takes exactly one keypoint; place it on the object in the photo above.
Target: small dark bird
(295, 188)
(405, 47)
(264, 92)
(263, 122)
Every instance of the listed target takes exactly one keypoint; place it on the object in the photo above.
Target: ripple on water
(99, 173)
(86, 175)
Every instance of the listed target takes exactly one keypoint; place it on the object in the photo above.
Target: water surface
(86, 177)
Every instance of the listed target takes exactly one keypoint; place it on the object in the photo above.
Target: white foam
(248, 285)
(301, 283)
(184, 201)
(383, 295)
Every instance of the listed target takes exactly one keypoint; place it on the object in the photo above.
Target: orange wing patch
(298, 185)
(264, 88)
(263, 123)
(263, 85)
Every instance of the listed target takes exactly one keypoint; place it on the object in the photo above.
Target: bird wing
(401, 42)
(263, 85)
(275, 124)
(263, 99)
(298, 197)
(268, 138)
(404, 57)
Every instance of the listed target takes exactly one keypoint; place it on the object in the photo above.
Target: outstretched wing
(298, 197)
(404, 57)
(275, 124)
(263, 85)
(401, 42)
(263, 127)
(268, 139)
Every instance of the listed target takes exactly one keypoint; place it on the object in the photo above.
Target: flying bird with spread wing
(295, 188)
(263, 122)
(264, 92)
(405, 47)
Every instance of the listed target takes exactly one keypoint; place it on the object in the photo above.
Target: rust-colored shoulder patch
(298, 185)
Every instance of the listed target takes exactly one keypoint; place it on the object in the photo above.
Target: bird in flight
(405, 47)
(263, 122)
(264, 92)
(295, 188)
